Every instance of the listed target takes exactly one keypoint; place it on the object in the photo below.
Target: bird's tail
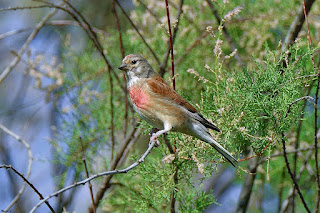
(223, 152)
(203, 134)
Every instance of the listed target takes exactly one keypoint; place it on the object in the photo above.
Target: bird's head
(136, 67)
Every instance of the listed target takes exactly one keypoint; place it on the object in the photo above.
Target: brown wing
(159, 86)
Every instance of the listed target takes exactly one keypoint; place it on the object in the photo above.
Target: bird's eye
(134, 62)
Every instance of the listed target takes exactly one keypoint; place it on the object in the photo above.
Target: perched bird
(162, 107)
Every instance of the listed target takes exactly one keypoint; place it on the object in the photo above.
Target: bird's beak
(123, 67)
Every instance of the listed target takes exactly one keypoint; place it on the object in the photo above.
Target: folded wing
(159, 86)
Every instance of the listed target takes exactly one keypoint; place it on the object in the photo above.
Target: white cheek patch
(132, 78)
(139, 69)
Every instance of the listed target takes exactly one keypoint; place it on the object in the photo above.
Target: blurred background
(65, 98)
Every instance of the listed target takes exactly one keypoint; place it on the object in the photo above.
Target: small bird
(162, 107)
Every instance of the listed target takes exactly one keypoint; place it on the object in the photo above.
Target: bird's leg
(155, 136)
(152, 132)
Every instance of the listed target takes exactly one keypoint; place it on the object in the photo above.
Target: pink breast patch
(138, 97)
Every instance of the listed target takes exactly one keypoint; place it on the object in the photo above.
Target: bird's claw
(154, 138)
(153, 130)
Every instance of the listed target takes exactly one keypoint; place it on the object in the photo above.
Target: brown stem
(106, 182)
(283, 174)
(315, 114)
(124, 77)
(172, 150)
(291, 175)
(296, 25)
(30, 184)
(247, 187)
(137, 30)
(171, 42)
(99, 47)
(87, 174)
(150, 11)
(171, 46)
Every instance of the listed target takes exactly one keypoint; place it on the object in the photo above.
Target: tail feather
(202, 133)
(223, 152)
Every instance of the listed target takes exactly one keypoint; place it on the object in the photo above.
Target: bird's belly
(156, 110)
(157, 114)
(150, 117)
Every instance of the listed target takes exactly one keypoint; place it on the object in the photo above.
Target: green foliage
(252, 105)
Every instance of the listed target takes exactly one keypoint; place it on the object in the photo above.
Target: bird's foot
(153, 130)
(154, 138)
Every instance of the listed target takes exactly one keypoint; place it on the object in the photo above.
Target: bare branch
(30, 160)
(315, 112)
(287, 152)
(5, 73)
(137, 30)
(166, 57)
(150, 11)
(123, 75)
(27, 182)
(132, 136)
(135, 164)
(23, 8)
(53, 23)
(171, 42)
(76, 15)
(87, 174)
(292, 176)
(296, 25)
(286, 203)
(247, 187)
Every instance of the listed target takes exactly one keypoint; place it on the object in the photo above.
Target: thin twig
(172, 150)
(137, 30)
(14, 62)
(316, 144)
(247, 187)
(225, 32)
(23, 8)
(150, 11)
(315, 113)
(280, 194)
(132, 136)
(296, 25)
(194, 44)
(27, 182)
(30, 160)
(297, 141)
(87, 174)
(170, 44)
(186, 16)
(126, 112)
(291, 193)
(92, 35)
(113, 172)
(53, 23)
(287, 152)
(291, 175)
(100, 49)
(299, 99)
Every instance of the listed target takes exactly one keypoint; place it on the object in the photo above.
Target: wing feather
(159, 86)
